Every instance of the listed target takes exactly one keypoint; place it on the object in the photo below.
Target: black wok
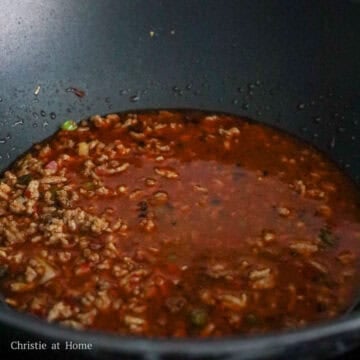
(291, 64)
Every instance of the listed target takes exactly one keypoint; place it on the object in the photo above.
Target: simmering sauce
(171, 223)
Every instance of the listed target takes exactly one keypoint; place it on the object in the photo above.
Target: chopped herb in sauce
(69, 125)
(89, 185)
(251, 319)
(199, 317)
(3, 270)
(24, 179)
(327, 237)
(172, 257)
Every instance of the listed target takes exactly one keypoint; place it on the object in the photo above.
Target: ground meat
(32, 190)
(304, 248)
(173, 224)
(262, 279)
(4, 191)
(17, 206)
(59, 311)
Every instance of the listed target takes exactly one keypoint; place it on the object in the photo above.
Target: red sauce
(178, 224)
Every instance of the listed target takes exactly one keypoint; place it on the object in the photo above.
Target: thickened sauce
(177, 224)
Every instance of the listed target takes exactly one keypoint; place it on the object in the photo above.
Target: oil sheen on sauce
(175, 224)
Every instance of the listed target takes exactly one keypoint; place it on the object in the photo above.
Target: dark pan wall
(294, 64)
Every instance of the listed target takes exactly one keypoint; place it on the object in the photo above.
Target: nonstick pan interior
(294, 65)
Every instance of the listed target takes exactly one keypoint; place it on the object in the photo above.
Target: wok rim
(216, 346)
